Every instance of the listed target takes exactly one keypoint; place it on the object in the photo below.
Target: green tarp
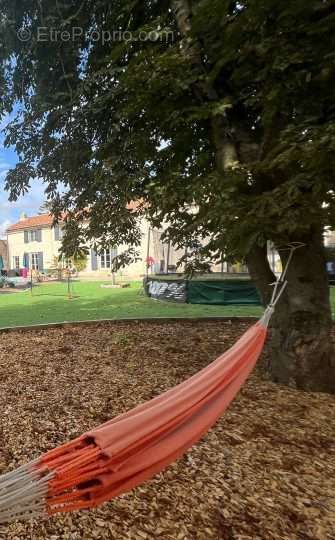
(210, 291)
(223, 292)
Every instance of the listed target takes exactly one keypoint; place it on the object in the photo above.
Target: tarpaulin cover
(223, 292)
(167, 290)
(220, 292)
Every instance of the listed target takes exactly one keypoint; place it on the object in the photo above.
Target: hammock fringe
(23, 493)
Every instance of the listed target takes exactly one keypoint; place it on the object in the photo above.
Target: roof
(44, 220)
(136, 205)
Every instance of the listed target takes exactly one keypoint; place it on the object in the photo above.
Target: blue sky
(30, 203)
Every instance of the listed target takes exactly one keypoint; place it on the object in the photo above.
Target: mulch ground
(264, 472)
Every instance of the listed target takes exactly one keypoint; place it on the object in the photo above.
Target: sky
(30, 203)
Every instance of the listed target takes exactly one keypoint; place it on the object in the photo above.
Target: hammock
(131, 448)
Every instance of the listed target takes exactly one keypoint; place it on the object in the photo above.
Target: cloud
(29, 203)
(3, 227)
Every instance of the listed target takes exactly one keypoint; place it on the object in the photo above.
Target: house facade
(34, 243)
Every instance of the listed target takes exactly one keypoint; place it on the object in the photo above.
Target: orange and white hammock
(124, 452)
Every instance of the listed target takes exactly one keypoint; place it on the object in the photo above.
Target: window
(58, 232)
(34, 235)
(106, 257)
(35, 261)
(16, 262)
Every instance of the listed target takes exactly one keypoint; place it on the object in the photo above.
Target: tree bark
(225, 147)
(261, 273)
(302, 353)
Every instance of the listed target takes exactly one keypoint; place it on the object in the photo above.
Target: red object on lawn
(150, 261)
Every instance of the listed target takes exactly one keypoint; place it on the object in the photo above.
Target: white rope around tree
(280, 284)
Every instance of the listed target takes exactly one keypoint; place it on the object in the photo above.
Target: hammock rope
(126, 451)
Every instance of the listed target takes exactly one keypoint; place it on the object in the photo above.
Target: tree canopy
(109, 116)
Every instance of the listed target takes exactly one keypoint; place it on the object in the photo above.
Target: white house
(34, 243)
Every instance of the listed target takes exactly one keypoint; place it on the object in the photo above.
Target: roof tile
(44, 220)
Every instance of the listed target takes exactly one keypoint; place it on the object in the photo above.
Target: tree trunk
(302, 354)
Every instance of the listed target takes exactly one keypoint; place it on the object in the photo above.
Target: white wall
(132, 271)
(51, 248)
(48, 246)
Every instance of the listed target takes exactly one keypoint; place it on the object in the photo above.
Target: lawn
(49, 304)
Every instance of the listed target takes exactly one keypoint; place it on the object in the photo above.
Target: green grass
(49, 304)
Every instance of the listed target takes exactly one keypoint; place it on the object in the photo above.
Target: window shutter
(26, 260)
(39, 235)
(26, 239)
(40, 261)
(94, 259)
(113, 253)
(57, 235)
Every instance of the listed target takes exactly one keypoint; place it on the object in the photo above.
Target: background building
(34, 243)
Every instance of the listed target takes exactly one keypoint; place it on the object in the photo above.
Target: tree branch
(226, 148)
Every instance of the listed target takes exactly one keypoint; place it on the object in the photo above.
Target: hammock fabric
(124, 452)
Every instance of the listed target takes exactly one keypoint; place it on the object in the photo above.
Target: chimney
(23, 216)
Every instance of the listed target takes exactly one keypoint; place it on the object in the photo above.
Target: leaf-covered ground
(266, 471)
